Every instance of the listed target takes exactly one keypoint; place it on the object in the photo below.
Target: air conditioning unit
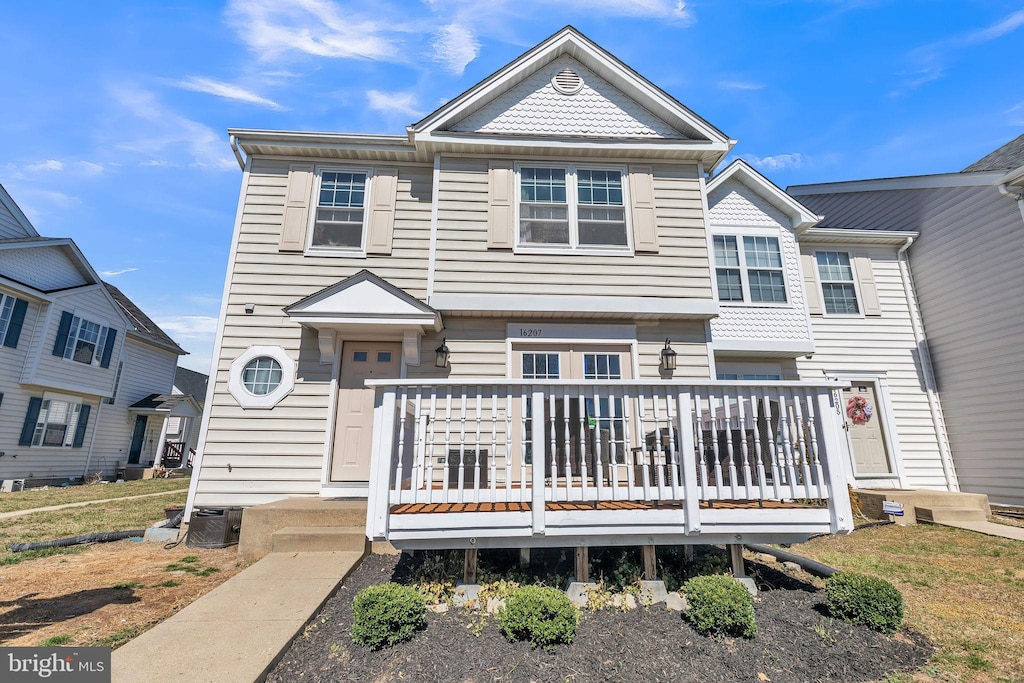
(12, 485)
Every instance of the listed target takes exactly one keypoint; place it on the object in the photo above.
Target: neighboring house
(76, 355)
(533, 320)
(965, 233)
(186, 430)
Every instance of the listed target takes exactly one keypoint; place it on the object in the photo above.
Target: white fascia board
(535, 142)
(300, 139)
(801, 216)
(796, 347)
(679, 308)
(369, 319)
(864, 236)
(917, 182)
(24, 289)
(16, 211)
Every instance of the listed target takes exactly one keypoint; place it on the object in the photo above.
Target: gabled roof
(1006, 158)
(191, 382)
(173, 404)
(363, 297)
(8, 203)
(143, 327)
(45, 264)
(742, 172)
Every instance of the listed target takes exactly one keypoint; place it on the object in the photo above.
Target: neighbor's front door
(353, 433)
(867, 443)
(138, 439)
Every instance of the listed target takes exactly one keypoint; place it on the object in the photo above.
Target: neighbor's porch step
(943, 515)
(318, 539)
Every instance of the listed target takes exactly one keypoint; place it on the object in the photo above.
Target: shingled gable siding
(279, 452)
(465, 265)
(9, 225)
(884, 342)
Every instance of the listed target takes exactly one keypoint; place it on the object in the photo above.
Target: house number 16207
(530, 331)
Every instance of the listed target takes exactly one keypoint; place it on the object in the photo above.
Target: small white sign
(891, 507)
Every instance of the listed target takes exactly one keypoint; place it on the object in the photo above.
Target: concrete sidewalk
(80, 504)
(235, 632)
(990, 529)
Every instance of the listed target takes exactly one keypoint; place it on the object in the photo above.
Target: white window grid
(583, 197)
(342, 196)
(56, 424)
(753, 274)
(6, 311)
(838, 289)
(262, 375)
(86, 341)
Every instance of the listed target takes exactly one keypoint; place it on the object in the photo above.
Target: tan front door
(353, 433)
(867, 443)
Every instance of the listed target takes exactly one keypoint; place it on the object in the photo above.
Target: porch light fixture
(443, 353)
(668, 357)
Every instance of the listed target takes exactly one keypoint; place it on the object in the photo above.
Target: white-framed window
(261, 376)
(339, 215)
(749, 269)
(6, 311)
(572, 206)
(86, 340)
(838, 291)
(56, 424)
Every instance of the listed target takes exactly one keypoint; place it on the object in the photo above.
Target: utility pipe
(917, 325)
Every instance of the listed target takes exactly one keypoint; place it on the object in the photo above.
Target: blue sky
(113, 120)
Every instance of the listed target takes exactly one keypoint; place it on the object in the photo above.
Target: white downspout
(917, 324)
(233, 141)
(1017, 194)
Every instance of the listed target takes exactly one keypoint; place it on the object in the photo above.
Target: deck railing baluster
(659, 446)
(773, 444)
(429, 451)
(462, 447)
(805, 446)
(447, 445)
(553, 453)
(756, 408)
(476, 448)
(613, 446)
(744, 448)
(812, 431)
(598, 471)
(582, 402)
(493, 460)
(567, 435)
(697, 424)
(509, 404)
(715, 445)
(400, 465)
(628, 396)
(730, 451)
(524, 484)
(641, 437)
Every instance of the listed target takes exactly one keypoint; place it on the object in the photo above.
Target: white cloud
(669, 10)
(317, 27)
(455, 47)
(165, 130)
(228, 91)
(777, 162)
(115, 273)
(90, 168)
(999, 29)
(393, 102)
(48, 165)
(740, 85)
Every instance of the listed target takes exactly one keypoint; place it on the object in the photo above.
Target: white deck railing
(545, 441)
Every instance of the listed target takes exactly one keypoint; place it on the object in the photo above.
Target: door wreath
(858, 410)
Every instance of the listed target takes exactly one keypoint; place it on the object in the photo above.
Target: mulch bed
(646, 644)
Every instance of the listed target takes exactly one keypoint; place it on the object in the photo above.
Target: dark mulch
(646, 644)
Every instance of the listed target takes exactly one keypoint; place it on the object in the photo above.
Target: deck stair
(926, 505)
(311, 539)
(303, 525)
(950, 515)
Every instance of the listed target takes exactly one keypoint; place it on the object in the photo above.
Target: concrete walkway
(991, 529)
(236, 632)
(50, 508)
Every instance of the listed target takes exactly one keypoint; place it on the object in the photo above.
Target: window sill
(579, 251)
(742, 304)
(335, 253)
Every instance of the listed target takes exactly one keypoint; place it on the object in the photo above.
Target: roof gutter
(917, 325)
(233, 141)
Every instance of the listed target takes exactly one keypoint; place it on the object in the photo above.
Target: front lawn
(56, 495)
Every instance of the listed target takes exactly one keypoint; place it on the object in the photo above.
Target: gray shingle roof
(144, 326)
(191, 382)
(1006, 158)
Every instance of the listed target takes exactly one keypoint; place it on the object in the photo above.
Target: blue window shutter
(83, 422)
(31, 417)
(63, 332)
(108, 348)
(17, 320)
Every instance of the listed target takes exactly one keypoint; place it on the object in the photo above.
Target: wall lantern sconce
(443, 354)
(668, 358)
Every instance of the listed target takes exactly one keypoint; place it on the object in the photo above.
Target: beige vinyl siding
(465, 265)
(60, 373)
(689, 341)
(884, 343)
(970, 282)
(279, 452)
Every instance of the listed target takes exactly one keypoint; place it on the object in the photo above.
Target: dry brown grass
(55, 495)
(964, 590)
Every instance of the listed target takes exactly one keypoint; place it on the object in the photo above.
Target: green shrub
(543, 616)
(387, 614)
(719, 605)
(864, 599)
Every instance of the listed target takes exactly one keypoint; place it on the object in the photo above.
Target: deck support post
(524, 557)
(650, 563)
(736, 560)
(469, 567)
(582, 564)
(688, 552)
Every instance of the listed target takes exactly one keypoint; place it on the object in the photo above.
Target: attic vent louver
(567, 82)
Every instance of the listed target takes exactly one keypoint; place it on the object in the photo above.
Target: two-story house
(538, 318)
(76, 356)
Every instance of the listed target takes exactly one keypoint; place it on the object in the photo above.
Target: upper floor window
(6, 311)
(340, 210)
(837, 289)
(86, 341)
(754, 273)
(572, 207)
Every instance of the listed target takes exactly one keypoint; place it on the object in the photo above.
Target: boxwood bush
(719, 605)
(543, 616)
(387, 614)
(864, 599)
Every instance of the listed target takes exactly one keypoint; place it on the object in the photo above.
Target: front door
(138, 438)
(864, 428)
(353, 432)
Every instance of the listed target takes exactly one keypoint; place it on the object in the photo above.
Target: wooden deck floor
(441, 508)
